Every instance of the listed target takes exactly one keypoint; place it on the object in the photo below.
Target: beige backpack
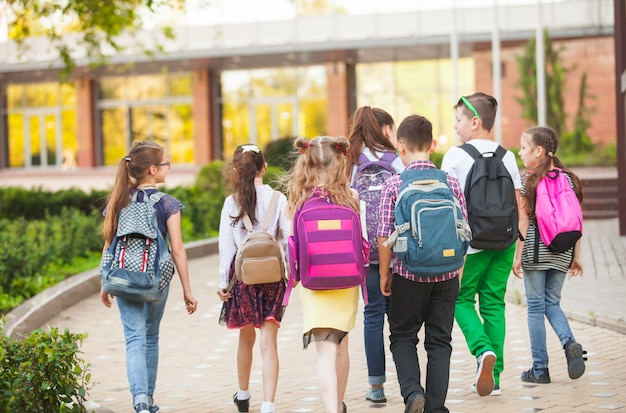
(260, 258)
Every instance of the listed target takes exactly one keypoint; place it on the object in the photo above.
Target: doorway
(272, 118)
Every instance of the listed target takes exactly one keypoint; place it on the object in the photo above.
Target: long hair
(247, 162)
(321, 162)
(540, 136)
(132, 169)
(366, 131)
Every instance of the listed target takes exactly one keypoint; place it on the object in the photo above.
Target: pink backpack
(558, 212)
(327, 250)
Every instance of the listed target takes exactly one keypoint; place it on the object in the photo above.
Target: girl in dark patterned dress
(247, 307)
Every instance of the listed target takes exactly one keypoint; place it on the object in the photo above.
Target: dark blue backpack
(431, 235)
(368, 182)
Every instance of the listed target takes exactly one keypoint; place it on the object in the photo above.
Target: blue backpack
(368, 182)
(138, 264)
(431, 235)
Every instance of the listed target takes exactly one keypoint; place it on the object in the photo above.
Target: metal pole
(496, 70)
(541, 69)
(454, 58)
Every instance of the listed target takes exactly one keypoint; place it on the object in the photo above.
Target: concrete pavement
(198, 369)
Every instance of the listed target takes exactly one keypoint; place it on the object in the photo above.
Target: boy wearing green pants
(486, 270)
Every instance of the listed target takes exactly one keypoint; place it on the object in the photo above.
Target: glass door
(43, 140)
(273, 118)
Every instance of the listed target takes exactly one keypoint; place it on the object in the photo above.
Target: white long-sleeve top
(230, 238)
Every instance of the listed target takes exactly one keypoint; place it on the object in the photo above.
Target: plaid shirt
(386, 224)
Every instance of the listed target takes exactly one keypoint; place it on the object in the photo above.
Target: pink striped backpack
(327, 250)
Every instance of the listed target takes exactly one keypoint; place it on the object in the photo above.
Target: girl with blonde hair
(328, 315)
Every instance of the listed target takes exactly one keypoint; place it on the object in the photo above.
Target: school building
(242, 71)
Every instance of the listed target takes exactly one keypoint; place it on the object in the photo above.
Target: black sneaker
(242, 405)
(575, 356)
(536, 376)
(414, 403)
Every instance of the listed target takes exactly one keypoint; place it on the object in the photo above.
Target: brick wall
(593, 55)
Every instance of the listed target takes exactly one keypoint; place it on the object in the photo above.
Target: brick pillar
(85, 112)
(204, 104)
(620, 106)
(338, 108)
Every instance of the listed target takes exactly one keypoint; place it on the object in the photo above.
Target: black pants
(431, 304)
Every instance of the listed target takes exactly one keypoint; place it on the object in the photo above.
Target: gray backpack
(138, 264)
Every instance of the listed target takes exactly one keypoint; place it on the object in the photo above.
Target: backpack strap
(271, 211)
(385, 160)
(471, 150)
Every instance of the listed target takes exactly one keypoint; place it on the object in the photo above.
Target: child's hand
(517, 268)
(106, 298)
(191, 303)
(224, 296)
(385, 284)
(576, 269)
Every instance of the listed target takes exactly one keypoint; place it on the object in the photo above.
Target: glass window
(113, 135)
(15, 96)
(17, 141)
(112, 88)
(146, 87)
(312, 117)
(274, 82)
(235, 127)
(42, 94)
(179, 85)
(181, 150)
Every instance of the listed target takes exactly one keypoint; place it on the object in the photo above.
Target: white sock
(267, 407)
(243, 394)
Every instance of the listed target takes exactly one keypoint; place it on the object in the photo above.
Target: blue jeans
(373, 323)
(141, 321)
(543, 295)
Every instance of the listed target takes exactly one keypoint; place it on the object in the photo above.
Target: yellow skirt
(329, 308)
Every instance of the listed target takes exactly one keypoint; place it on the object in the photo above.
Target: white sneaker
(496, 390)
(484, 381)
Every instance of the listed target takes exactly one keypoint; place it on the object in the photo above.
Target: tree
(576, 141)
(97, 23)
(554, 78)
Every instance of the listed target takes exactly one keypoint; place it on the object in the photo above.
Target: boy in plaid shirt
(417, 300)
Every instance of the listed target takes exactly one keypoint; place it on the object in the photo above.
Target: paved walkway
(198, 371)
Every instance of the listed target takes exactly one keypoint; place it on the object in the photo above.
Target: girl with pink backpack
(543, 268)
(318, 181)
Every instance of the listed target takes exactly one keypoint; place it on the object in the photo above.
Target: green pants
(485, 274)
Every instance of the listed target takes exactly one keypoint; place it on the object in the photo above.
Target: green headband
(470, 107)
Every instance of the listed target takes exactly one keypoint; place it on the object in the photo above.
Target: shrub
(43, 372)
(280, 153)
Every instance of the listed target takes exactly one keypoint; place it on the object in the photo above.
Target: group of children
(326, 167)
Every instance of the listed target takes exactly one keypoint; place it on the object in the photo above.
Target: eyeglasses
(469, 106)
(168, 164)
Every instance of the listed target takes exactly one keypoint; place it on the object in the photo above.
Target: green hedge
(48, 236)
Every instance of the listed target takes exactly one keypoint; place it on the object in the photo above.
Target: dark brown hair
(416, 133)
(541, 136)
(245, 167)
(366, 130)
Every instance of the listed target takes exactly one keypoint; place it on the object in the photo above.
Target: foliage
(16, 203)
(555, 75)
(96, 25)
(578, 140)
(280, 153)
(30, 249)
(43, 372)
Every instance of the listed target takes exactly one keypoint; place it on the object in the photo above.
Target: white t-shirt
(458, 163)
